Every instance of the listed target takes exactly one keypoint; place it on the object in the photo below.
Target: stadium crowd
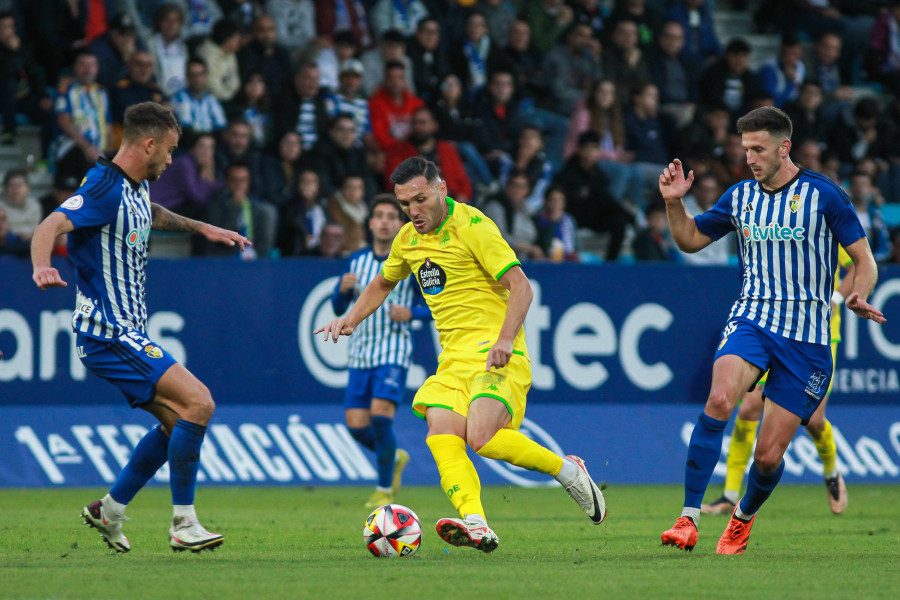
(554, 117)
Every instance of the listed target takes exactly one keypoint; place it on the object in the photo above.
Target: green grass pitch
(307, 543)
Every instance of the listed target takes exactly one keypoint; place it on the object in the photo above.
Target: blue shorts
(799, 372)
(130, 362)
(387, 382)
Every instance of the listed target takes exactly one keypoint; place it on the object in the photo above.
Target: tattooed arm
(166, 220)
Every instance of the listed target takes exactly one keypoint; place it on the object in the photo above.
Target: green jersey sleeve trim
(507, 268)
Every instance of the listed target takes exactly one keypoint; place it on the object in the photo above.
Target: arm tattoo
(166, 220)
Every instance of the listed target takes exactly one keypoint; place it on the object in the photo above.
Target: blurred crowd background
(555, 117)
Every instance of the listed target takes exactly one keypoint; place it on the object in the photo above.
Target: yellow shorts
(461, 378)
(834, 346)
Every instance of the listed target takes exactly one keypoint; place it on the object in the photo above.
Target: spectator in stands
(824, 68)
(675, 74)
(61, 33)
(22, 84)
(10, 243)
(648, 134)
(243, 13)
(331, 242)
(572, 68)
(708, 131)
(530, 158)
(200, 16)
(23, 211)
(304, 107)
(883, 61)
(508, 212)
(556, 229)
(781, 77)
(498, 120)
(731, 167)
(654, 242)
(330, 57)
(219, 52)
(586, 188)
(348, 207)
(400, 15)
(264, 54)
(253, 104)
(302, 218)
(500, 15)
(237, 146)
(429, 64)
(729, 79)
(646, 15)
(344, 16)
(807, 114)
(866, 201)
(423, 141)
(807, 155)
(167, 47)
(865, 135)
(337, 156)
(83, 118)
(601, 112)
(703, 195)
(197, 110)
(295, 21)
(695, 16)
(282, 171)
(477, 56)
(188, 184)
(548, 20)
(233, 208)
(63, 189)
(114, 49)
(812, 18)
(350, 100)
(525, 63)
(392, 48)
(391, 107)
(137, 87)
(624, 61)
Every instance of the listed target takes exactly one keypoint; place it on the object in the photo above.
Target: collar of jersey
(450, 204)
(782, 188)
(108, 163)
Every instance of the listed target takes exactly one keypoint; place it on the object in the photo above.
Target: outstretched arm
(166, 220)
(673, 186)
(864, 277)
(45, 234)
(372, 297)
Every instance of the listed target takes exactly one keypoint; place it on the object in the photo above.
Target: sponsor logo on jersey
(153, 351)
(432, 278)
(136, 236)
(74, 203)
(772, 232)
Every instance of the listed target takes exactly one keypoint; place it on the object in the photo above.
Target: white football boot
(187, 533)
(110, 528)
(586, 493)
(468, 533)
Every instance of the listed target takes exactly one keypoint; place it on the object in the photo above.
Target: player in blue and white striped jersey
(790, 222)
(379, 350)
(109, 220)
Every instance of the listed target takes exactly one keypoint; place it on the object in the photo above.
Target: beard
(417, 139)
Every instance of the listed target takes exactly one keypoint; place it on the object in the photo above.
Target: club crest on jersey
(795, 203)
(153, 351)
(772, 232)
(74, 203)
(432, 278)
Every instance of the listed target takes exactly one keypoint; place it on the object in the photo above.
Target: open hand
(863, 309)
(672, 183)
(225, 236)
(338, 327)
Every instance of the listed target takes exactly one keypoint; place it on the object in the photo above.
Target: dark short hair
(13, 173)
(394, 64)
(163, 11)
(393, 35)
(737, 46)
(381, 199)
(148, 119)
(588, 137)
(222, 30)
(413, 167)
(767, 118)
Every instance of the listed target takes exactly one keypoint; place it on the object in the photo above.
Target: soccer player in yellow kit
(478, 295)
(740, 448)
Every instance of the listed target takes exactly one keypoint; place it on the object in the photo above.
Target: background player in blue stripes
(109, 220)
(379, 350)
(790, 222)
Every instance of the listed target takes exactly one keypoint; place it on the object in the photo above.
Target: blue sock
(364, 435)
(149, 455)
(759, 488)
(184, 460)
(385, 449)
(703, 454)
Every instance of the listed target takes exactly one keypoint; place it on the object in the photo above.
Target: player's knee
(719, 404)
(816, 426)
(478, 439)
(202, 406)
(767, 461)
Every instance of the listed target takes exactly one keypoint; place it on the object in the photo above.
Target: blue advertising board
(615, 343)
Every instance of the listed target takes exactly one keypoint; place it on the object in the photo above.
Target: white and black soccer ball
(392, 531)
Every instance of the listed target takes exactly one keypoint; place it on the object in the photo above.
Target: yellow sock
(827, 450)
(517, 449)
(739, 452)
(459, 479)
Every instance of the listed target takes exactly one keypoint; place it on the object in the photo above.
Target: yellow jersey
(844, 261)
(458, 266)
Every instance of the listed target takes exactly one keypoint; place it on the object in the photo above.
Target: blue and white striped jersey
(111, 215)
(788, 242)
(378, 340)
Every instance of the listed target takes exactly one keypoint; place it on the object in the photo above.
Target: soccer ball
(392, 531)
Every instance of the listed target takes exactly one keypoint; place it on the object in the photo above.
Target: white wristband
(837, 298)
